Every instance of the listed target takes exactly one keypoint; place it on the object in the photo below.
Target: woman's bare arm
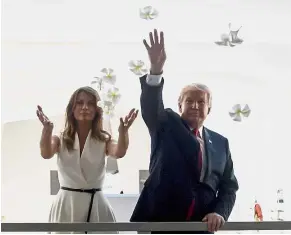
(49, 144)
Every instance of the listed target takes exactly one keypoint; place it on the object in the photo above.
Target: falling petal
(237, 118)
(224, 40)
(113, 95)
(229, 26)
(139, 63)
(111, 79)
(147, 9)
(136, 72)
(143, 15)
(246, 111)
(237, 41)
(154, 14)
(131, 64)
(221, 43)
(234, 38)
(235, 115)
(108, 111)
(230, 39)
(108, 103)
(236, 108)
(104, 70)
(107, 107)
(107, 71)
(110, 71)
(97, 81)
(224, 37)
(137, 67)
(232, 114)
(230, 44)
(108, 93)
(148, 13)
(237, 112)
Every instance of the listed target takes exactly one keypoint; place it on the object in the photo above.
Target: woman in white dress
(81, 151)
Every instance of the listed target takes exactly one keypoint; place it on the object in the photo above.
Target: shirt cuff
(154, 80)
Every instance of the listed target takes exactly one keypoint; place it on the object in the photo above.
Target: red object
(191, 208)
(258, 212)
(196, 133)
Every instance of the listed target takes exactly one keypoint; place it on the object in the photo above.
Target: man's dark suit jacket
(174, 182)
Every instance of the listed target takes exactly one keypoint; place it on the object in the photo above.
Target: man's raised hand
(156, 52)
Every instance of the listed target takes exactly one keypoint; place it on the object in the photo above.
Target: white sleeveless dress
(85, 172)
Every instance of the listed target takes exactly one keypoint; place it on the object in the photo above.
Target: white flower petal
(236, 108)
(115, 89)
(110, 71)
(246, 111)
(108, 111)
(155, 13)
(224, 37)
(148, 9)
(232, 114)
(137, 67)
(108, 103)
(148, 13)
(113, 95)
(139, 63)
(111, 79)
(104, 70)
(98, 79)
(143, 15)
(131, 64)
(136, 71)
(237, 118)
(93, 82)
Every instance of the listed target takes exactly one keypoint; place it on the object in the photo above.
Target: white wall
(45, 56)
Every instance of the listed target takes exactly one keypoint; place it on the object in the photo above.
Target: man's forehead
(191, 92)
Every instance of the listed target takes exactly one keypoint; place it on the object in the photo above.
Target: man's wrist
(156, 70)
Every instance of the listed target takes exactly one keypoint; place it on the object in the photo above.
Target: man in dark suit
(191, 170)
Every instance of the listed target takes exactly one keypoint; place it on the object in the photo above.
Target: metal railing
(140, 227)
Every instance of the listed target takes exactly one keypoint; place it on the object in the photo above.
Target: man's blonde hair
(196, 86)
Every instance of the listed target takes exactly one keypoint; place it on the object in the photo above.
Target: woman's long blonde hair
(97, 132)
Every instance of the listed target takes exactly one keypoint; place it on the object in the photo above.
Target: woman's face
(85, 107)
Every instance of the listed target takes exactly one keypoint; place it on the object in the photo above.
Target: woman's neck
(83, 129)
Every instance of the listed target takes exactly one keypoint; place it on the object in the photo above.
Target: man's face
(194, 107)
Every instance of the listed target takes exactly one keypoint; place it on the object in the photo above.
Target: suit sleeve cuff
(154, 80)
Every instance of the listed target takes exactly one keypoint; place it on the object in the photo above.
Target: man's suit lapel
(209, 150)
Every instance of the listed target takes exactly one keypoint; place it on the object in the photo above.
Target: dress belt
(90, 191)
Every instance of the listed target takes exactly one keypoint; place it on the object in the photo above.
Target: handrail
(140, 226)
